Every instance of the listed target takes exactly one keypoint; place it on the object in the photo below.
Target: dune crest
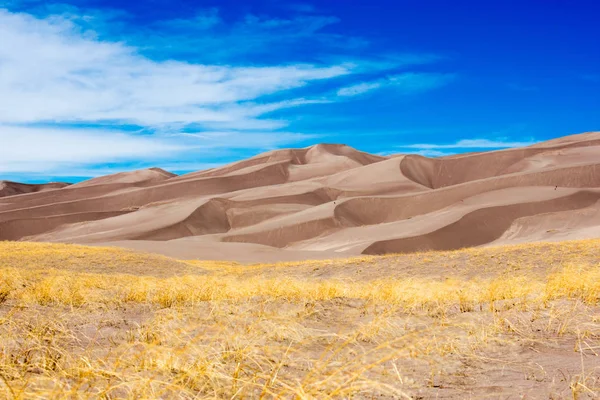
(323, 201)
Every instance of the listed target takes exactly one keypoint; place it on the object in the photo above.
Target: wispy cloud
(460, 146)
(208, 37)
(53, 72)
(242, 139)
(357, 89)
(29, 149)
(436, 149)
(61, 152)
(471, 144)
(432, 153)
(75, 171)
(69, 91)
(406, 83)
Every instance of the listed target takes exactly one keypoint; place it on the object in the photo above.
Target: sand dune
(142, 177)
(8, 188)
(324, 201)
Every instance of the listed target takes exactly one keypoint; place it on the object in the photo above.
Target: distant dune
(8, 188)
(324, 201)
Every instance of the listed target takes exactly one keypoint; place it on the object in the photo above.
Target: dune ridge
(324, 201)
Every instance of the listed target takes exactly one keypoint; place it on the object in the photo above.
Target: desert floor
(518, 321)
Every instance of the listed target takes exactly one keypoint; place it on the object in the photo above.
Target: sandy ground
(324, 201)
(489, 323)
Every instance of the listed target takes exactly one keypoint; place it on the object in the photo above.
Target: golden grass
(105, 260)
(54, 286)
(92, 322)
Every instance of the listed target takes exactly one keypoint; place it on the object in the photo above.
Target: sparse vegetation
(92, 322)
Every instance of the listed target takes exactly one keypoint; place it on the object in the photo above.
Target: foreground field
(507, 322)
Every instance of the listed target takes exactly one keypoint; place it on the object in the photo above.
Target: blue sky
(91, 87)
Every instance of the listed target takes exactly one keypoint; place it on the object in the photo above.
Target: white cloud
(469, 144)
(51, 71)
(432, 153)
(55, 74)
(64, 151)
(360, 88)
(47, 149)
(412, 82)
(76, 171)
(406, 83)
(243, 140)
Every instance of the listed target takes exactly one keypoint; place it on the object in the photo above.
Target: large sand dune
(324, 201)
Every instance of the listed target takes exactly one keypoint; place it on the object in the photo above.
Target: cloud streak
(53, 72)
(69, 92)
(406, 83)
(48, 150)
(470, 144)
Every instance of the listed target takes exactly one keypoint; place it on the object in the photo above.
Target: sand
(324, 201)
(8, 188)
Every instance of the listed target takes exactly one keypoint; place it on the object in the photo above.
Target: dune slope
(8, 188)
(324, 201)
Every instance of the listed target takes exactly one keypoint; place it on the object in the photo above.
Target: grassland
(91, 322)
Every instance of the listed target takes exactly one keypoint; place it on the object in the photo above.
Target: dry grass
(90, 322)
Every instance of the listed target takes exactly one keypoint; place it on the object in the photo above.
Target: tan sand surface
(324, 201)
